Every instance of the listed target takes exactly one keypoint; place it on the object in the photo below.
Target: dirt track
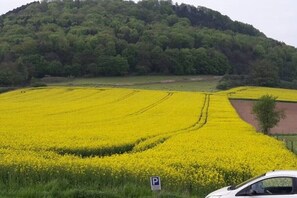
(285, 126)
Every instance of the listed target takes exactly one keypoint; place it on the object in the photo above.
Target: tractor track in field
(201, 122)
(124, 97)
(143, 110)
(137, 113)
(160, 139)
(90, 107)
(88, 96)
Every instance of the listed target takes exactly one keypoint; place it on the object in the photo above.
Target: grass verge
(64, 189)
(174, 83)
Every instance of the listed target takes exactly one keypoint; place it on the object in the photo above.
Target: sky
(275, 18)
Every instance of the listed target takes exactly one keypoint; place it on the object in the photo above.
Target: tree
(264, 73)
(266, 113)
(12, 74)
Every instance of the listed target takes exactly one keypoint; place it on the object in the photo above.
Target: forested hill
(116, 37)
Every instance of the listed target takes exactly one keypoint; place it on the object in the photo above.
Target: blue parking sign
(155, 183)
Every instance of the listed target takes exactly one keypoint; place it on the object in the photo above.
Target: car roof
(277, 173)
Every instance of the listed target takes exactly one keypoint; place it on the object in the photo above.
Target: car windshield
(244, 183)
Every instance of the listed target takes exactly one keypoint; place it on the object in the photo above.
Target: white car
(275, 184)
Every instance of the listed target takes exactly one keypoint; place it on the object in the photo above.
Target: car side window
(271, 186)
(278, 186)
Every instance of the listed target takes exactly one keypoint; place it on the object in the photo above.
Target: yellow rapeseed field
(194, 141)
(257, 92)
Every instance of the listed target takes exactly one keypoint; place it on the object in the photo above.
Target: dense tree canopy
(116, 37)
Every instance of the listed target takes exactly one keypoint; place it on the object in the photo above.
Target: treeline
(205, 17)
(116, 37)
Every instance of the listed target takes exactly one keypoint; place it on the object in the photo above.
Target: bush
(38, 84)
(288, 85)
(11, 78)
(230, 81)
(12, 74)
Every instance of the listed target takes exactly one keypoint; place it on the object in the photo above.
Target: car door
(277, 187)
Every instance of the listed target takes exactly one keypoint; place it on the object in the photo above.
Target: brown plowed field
(285, 126)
